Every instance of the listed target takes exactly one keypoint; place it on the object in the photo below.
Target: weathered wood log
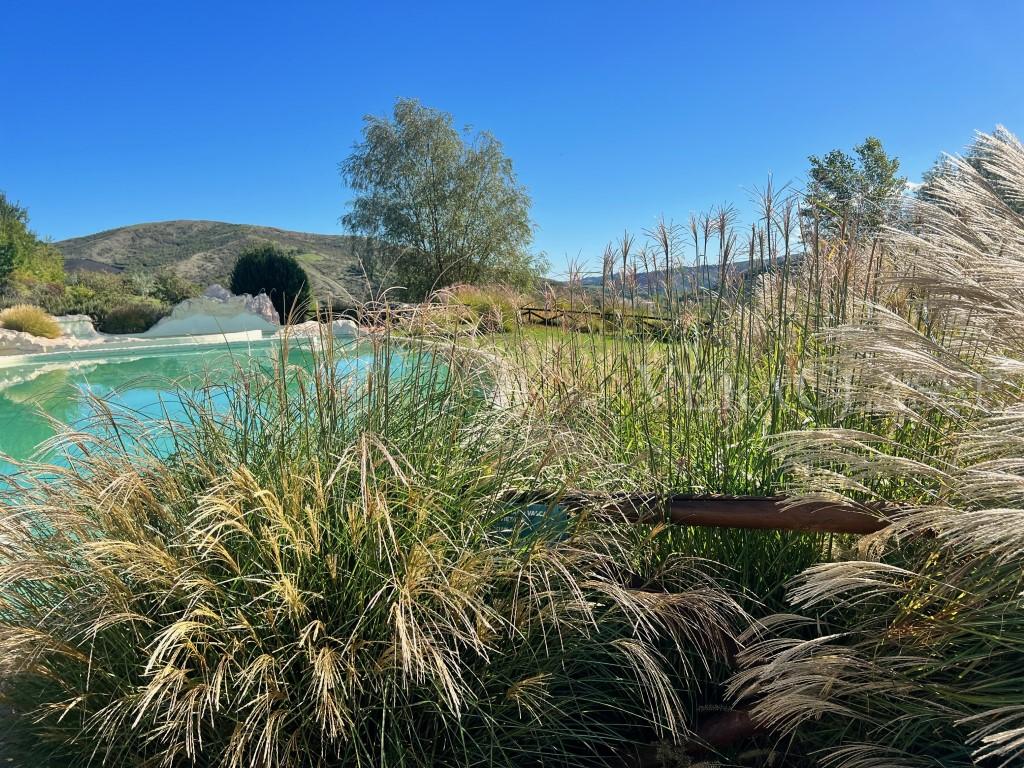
(775, 513)
(779, 513)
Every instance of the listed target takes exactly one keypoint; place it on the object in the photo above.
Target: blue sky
(614, 113)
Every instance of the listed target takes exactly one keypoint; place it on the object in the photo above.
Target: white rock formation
(342, 327)
(261, 304)
(219, 292)
(76, 331)
(218, 311)
(77, 327)
(18, 343)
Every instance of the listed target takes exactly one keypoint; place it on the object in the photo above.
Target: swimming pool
(41, 393)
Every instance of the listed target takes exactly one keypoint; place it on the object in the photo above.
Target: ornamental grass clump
(29, 319)
(322, 569)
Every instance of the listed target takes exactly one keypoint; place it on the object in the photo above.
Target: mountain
(692, 278)
(205, 251)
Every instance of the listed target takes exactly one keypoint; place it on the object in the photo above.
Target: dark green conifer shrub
(267, 269)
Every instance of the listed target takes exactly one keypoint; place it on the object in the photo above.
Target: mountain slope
(205, 251)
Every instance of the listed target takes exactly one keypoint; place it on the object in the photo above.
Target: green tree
(171, 288)
(853, 194)
(6, 262)
(983, 156)
(268, 269)
(22, 254)
(439, 206)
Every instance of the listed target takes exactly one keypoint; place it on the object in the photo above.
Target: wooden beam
(778, 513)
(774, 513)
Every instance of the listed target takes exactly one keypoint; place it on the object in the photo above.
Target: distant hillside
(690, 278)
(204, 252)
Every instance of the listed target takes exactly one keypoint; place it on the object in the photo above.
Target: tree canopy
(22, 254)
(853, 193)
(984, 156)
(439, 206)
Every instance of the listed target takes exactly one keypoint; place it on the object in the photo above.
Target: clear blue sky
(115, 113)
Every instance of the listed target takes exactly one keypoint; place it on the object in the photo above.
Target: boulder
(341, 328)
(344, 327)
(218, 292)
(76, 332)
(77, 327)
(18, 343)
(218, 311)
(260, 304)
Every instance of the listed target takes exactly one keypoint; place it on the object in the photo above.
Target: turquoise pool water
(47, 391)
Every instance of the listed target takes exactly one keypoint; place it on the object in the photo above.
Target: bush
(7, 262)
(328, 576)
(267, 269)
(30, 319)
(133, 317)
(438, 321)
(496, 308)
(172, 288)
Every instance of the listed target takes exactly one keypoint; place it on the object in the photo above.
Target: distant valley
(690, 278)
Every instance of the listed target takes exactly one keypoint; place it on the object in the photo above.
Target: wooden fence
(559, 316)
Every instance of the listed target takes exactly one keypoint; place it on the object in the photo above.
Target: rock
(76, 332)
(264, 307)
(344, 327)
(259, 304)
(77, 327)
(218, 311)
(218, 292)
(307, 330)
(18, 343)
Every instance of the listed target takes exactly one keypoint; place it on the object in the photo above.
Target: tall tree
(7, 254)
(985, 156)
(853, 194)
(440, 206)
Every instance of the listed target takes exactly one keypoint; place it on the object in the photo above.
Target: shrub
(172, 288)
(30, 319)
(7, 262)
(78, 299)
(438, 320)
(134, 317)
(496, 307)
(267, 269)
(92, 293)
(330, 576)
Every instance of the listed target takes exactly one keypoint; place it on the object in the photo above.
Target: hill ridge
(204, 250)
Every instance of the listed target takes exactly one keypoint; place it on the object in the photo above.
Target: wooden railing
(557, 316)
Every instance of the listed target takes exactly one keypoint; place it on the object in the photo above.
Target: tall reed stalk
(909, 652)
